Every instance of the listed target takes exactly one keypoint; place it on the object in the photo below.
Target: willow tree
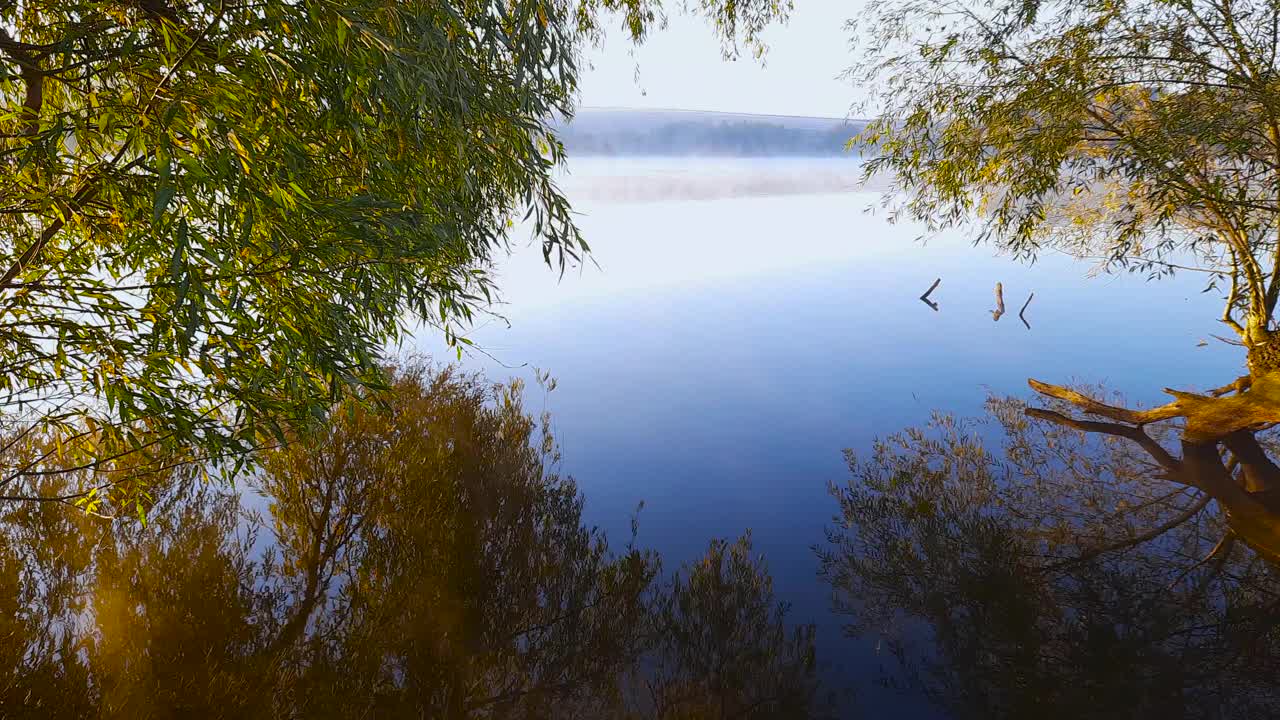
(1145, 133)
(215, 214)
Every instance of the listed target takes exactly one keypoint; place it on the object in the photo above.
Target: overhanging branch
(1136, 434)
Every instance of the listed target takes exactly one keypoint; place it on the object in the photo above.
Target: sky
(681, 67)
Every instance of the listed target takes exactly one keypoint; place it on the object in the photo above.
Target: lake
(749, 319)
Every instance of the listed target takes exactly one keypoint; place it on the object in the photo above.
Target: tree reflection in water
(1019, 568)
(420, 558)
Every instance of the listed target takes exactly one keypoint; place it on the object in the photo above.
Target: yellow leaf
(240, 151)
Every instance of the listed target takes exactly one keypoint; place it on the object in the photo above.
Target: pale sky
(681, 67)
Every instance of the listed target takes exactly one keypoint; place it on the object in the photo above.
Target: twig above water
(925, 297)
(1024, 309)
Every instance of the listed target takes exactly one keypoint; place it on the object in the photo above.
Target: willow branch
(1233, 297)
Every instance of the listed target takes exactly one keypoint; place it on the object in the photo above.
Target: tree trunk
(1264, 353)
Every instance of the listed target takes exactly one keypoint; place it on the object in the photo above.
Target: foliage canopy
(1144, 133)
(214, 214)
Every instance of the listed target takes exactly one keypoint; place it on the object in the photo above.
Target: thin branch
(1223, 547)
(925, 297)
(1138, 539)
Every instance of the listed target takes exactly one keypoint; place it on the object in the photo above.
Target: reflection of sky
(726, 351)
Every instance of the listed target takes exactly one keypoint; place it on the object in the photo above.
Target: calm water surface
(750, 319)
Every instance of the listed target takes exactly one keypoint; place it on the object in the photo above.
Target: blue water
(746, 323)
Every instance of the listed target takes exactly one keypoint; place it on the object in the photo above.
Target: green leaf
(164, 194)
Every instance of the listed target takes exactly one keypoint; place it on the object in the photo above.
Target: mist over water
(599, 180)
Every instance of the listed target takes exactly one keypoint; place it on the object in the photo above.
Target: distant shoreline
(625, 132)
(723, 113)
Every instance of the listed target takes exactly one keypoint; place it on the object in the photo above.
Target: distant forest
(737, 136)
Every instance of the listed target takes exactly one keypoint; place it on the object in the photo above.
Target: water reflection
(446, 577)
(419, 559)
(1020, 568)
(1022, 313)
(725, 351)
